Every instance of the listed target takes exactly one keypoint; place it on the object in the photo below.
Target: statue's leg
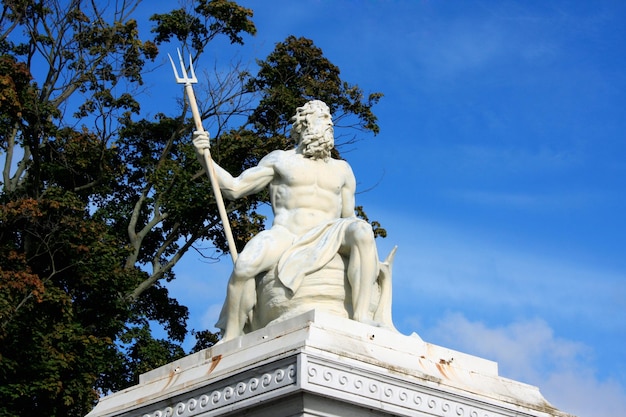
(232, 317)
(260, 254)
(358, 244)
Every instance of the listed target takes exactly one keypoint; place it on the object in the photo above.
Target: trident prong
(185, 79)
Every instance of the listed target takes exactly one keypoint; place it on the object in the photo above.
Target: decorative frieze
(351, 382)
(231, 393)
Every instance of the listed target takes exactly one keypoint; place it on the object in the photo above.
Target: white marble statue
(312, 197)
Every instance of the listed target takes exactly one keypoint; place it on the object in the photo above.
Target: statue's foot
(229, 335)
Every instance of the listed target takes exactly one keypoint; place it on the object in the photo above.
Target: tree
(296, 72)
(99, 202)
(72, 321)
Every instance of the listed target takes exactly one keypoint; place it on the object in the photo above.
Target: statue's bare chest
(300, 172)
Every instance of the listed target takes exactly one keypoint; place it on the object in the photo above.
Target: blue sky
(499, 171)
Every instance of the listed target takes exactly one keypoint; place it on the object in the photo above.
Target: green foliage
(296, 72)
(60, 304)
(146, 353)
(77, 290)
(204, 340)
(208, 19)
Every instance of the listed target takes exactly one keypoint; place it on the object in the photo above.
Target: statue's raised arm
(251, 181)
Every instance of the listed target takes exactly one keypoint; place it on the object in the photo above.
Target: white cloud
(580, 392)
(528, 351)
(513, 346)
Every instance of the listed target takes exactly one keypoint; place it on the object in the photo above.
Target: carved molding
(229, 394)
(395, 394)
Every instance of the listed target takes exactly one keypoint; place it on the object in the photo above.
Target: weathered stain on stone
(215, 360)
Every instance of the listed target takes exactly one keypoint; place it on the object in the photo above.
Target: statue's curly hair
(303, 115)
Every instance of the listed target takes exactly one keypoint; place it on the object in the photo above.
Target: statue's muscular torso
(305, 192)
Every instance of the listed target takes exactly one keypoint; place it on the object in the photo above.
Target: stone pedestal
(318, 364)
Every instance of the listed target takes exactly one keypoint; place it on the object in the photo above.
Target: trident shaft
(189, 81)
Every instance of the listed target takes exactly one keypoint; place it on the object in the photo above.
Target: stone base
(318, 364)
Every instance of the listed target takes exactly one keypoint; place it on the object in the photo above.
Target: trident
(189, 81)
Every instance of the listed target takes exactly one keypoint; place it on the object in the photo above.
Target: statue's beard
(316, 145)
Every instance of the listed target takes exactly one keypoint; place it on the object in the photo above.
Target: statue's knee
(246, 268)
(361, 232)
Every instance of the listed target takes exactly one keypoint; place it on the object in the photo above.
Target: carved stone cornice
(318, 364)
(228, 394)
(398, 396)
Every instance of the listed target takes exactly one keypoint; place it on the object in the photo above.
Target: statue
(312, 197)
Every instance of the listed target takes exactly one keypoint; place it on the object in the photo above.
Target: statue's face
(320, 126)
(317, 139)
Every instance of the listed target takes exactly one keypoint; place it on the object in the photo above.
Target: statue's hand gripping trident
(189, 81)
